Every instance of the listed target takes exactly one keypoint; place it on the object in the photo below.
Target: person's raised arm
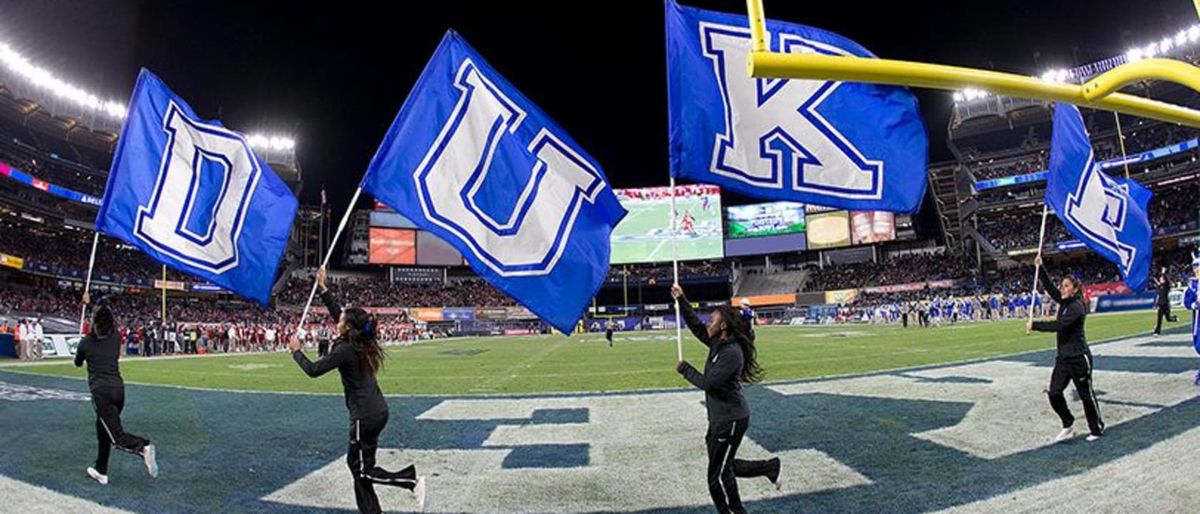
(689, 316)
(327, 297)
(1047, 283)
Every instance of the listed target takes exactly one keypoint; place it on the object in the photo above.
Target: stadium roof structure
(50, 104)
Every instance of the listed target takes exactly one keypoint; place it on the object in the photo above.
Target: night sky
(334, 74)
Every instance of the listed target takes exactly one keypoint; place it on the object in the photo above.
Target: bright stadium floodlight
(42, 78)
(1193, 34)
(1133, 55)
(1057, 75)
(265, 142)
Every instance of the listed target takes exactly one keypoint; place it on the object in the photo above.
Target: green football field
(645, 233)
(639, 360)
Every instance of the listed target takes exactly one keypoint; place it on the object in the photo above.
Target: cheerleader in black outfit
(357, 356)
(731, 362)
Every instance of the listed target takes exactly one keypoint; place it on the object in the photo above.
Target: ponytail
(361, 334)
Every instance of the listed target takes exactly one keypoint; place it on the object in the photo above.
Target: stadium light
(1057, 75)
(43, 78)
(265, 142)
(969, 94)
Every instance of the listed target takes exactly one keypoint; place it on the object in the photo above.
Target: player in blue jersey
(1192, 303)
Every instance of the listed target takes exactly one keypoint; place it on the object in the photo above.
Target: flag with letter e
(1107, 213)
(472, 160)
(193, 195)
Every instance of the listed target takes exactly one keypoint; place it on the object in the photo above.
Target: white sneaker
(1093, 437)
(419, 493)
(95, 475)
(1066, 433)
(151, 461)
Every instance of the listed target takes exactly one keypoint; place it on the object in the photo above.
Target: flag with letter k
(838, 144)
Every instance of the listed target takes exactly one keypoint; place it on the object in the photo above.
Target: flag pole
(1121, 137)
(1036, 267)
(675, 272)
(328, 254)
(87, 283)
(164, 295)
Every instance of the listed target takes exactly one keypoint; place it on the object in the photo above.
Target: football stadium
(314, 258)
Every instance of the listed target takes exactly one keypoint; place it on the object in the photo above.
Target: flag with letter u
(839, 144)
(1109, 214)
(472, 160)
(193, 195)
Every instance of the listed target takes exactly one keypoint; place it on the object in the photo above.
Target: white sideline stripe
(1156, 479)
(31, 499)
(552, 394)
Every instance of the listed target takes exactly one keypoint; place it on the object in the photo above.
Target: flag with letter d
(193, 195)
(1107, 213)
(472, 160)
(847, 145)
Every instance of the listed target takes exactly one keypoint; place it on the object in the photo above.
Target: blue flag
(194, 196)
(472, 160)
(1107, 213)
(839, 144)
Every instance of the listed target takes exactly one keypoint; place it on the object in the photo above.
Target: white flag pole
(328, 254)
(87, 283)
(1036, 267)
(675, 271)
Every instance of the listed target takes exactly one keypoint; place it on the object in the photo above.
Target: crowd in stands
(1139, 139)
(1014, 232)
(1010, 167)
(1033, 154)
(1169, 208)
(70, 250)
(903, 269)
(211, 323)
(663, 273)
(1009, 293)
(378, 292)
(54, 170)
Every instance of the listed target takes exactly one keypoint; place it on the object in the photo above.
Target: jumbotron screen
(645, 233)
(872, 227)
(828, 230)
(393, 246)
(764, 219)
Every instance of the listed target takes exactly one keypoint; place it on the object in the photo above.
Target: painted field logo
(23, 393)
(973, 436)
